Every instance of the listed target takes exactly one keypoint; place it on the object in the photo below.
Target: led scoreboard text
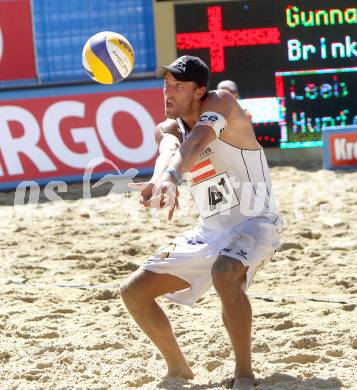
(302, 52)
(313, 100)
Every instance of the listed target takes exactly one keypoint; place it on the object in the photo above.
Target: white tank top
(230, 185)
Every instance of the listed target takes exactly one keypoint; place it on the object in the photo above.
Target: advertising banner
(62, 137)
(17, 59)
(340, 147)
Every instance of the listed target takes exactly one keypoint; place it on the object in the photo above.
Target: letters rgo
(47, 146)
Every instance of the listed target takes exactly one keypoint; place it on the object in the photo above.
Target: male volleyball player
(207, 135)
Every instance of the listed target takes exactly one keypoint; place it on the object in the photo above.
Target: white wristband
(175, 175)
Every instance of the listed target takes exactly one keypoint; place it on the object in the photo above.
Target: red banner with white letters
(17, 59)
(343, 149)
(63, 136)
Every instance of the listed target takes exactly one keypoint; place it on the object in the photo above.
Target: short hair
(230, 85)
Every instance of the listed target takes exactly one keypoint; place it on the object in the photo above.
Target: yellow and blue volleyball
(108, 57)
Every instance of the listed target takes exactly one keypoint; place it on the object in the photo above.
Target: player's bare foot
(243, 384)
(181, 372)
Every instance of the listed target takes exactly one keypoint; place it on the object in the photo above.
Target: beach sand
(64, 326)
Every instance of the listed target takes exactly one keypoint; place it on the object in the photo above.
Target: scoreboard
(301, 53)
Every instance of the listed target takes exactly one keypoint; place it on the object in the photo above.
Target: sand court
(64, 326)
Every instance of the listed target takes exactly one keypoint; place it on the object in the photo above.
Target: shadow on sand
(273, 382)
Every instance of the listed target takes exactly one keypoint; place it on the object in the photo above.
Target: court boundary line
(264, 297)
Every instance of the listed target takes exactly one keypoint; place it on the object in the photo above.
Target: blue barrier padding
(63, 27)
(29, 93)
(70, 179)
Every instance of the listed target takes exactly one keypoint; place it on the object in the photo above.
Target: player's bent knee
(227, 273)
(126, 290)
(221, 270)
(139, 288)
(130, 290)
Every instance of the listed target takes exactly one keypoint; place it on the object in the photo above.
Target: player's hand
(160, 195)
(165, 196)
(146, 191)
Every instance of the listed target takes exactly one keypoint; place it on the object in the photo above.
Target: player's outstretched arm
(166, 137)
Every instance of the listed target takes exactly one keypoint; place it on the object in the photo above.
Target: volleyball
(108, 57)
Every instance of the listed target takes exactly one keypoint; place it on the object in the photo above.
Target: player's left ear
(200, 92)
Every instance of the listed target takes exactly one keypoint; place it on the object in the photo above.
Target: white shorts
(190, 256)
